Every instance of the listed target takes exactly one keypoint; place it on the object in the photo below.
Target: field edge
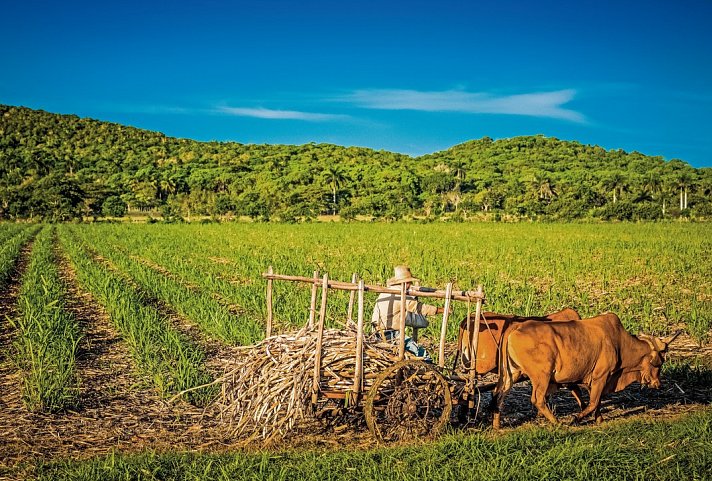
(628, 449)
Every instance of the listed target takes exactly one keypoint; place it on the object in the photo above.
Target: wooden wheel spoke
(411, 398)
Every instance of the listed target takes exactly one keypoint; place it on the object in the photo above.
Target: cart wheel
(409, 399)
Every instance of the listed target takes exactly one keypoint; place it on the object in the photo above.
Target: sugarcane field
(253, 340)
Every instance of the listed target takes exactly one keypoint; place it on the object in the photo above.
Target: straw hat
(402, 275)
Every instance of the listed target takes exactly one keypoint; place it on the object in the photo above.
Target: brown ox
(492, 325)
(597, 353)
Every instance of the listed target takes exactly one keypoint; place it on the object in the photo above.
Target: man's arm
(412, 305)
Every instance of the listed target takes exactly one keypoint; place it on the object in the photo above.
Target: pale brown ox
(597, 354)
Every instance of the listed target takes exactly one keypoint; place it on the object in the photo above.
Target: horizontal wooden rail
(350, 286)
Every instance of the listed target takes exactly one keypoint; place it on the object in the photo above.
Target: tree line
(62, 167)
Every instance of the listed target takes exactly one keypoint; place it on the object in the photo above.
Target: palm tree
(615, 183)
(458, 167)
(336, 179)
(541, 185)
(684, 182)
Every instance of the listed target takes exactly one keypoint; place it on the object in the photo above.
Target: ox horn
(652, 341)
(666, 341)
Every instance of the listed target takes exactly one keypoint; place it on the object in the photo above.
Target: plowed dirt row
(116, 410)
(218, 355)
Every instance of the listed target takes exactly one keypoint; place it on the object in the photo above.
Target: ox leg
(540, 388)
(594, 403)
(504, 385)
(577, 394)
(492, 406)
(597, 414)
(497, 404)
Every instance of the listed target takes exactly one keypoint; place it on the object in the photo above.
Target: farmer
(386, 312)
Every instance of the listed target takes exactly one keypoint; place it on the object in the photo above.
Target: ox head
(651, 363)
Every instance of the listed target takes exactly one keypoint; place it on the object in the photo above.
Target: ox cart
(399, 394)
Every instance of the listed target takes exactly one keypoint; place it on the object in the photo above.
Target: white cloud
(538, 104)
(263, 113)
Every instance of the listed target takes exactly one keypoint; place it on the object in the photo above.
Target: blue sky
(413, 77)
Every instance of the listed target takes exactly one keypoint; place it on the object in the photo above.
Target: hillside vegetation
(58, 167)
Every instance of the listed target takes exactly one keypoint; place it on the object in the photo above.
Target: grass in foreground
(633, 449)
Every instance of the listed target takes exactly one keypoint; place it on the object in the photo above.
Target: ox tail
(504, 364)
(505, 378)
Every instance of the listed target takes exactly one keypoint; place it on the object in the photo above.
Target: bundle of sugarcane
(267, 390)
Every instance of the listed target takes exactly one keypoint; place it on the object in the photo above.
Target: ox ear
(667, 340)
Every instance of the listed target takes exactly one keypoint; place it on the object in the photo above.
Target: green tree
(113, 206)
(336, 178)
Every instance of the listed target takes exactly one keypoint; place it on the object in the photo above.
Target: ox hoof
(574, 421)
(599, 419)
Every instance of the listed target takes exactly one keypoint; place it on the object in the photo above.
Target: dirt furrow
(116, 410)
(218, 354)
(10, 377)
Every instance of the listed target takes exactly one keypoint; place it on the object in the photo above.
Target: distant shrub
(113, 206)
(171, 214)
(647, 211)
(621, 210)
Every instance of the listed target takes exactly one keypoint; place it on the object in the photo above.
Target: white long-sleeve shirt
(386, 312)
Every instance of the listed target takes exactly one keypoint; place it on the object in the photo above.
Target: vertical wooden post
(468, 334)
(312, 306)
(401, 324)
(473, 348)
(443, 327)
(358, 372)
(352, 295)
(320, 339)
(269, 302)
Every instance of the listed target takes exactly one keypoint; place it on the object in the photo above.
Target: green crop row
(195, 261)
(47, 334)
(10, 230)
(654, 276)
(168, 358)
(214, 318)
(233, 272)
(10, 250)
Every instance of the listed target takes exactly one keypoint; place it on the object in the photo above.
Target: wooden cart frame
(417, 389)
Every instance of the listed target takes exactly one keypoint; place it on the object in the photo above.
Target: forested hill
(58, 167)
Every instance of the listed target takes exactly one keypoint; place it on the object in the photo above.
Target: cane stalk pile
(266, 392)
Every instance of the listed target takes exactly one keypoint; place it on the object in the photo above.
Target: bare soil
(118, 411)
